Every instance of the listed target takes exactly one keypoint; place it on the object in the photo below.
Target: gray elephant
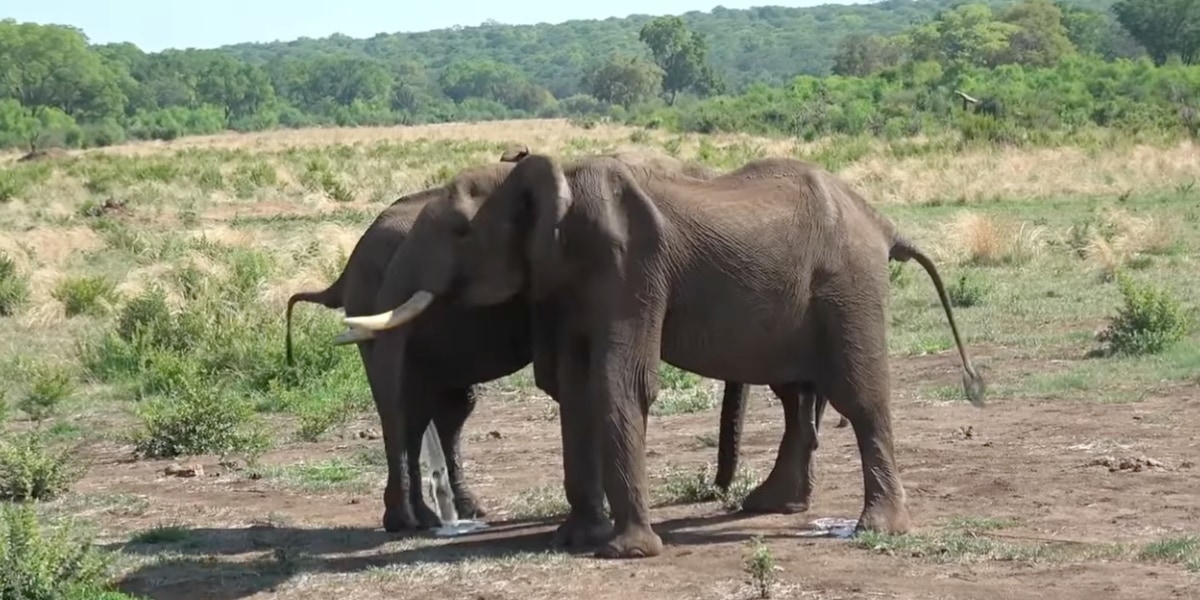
(455, 348)
(775, 274)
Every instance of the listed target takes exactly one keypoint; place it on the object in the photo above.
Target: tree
(964, 35)
(1164, 27)
(682, 55)
(1041, 38)
(860, 54)
(1097, 34)
(51, 66)
(623, 79)
(240, 89)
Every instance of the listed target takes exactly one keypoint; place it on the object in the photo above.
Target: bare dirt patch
(1038, 467)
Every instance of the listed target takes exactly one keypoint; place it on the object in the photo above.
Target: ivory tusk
(395, 317)
(353, 335)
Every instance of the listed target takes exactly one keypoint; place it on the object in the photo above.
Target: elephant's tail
(330, 297)
(902, 250)
(733, 413)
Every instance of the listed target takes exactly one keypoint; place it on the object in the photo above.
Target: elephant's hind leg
(857, 386)
(789, 487)
(451, 413)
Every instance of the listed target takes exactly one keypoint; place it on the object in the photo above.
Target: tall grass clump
(14, 287)
(981, 241)
(1150, 320)
(88, 295)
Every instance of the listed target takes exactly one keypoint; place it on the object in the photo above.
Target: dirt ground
(1068, 479)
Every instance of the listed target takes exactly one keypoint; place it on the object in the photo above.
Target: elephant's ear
(548, 194)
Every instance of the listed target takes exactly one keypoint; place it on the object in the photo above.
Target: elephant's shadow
(190, 568)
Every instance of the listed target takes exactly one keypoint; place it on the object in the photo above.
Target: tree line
(892, 69)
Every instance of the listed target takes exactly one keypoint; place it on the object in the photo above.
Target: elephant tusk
(395, 317)
(353, 335)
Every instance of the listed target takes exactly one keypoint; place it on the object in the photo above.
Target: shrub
(967, 291)
(49, 387)
(29, 470)
(14, 287)
(1150, 321)
(199, 419)
(42, 563)
(90, 295)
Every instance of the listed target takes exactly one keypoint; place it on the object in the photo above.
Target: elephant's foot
(467, 506)
(781, 495)
(842, 422)
(884, 515)
(402, 518)
(633, 542)
(582, 532)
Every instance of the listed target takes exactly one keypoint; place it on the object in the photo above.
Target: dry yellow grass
(33, 231)
(977, 239)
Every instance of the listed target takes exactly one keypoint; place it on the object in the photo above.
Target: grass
(965, 541)
(156, 332)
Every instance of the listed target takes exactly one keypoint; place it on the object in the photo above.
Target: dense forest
(998, 70)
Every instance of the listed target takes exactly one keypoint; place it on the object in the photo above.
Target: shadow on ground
(192, 567)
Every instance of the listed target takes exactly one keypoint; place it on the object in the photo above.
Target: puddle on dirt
(460, 527)
(830, 527)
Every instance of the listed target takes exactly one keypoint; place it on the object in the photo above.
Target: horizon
(155, 27)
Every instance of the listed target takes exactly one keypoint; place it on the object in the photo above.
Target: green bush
(89, 295)
(196, 420)
(49, 563)
(966, 291)
(14, 287)
(49, 387)
(30, 470)
(1150, 321)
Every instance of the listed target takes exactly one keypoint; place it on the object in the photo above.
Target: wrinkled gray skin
(773, 274)
(455, 349)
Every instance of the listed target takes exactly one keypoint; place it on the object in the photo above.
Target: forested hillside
(769, 44)
(1035, 67)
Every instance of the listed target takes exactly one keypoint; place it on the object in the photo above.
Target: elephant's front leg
(788, 489)
(382, 376)
(625, 384)
(587, 525)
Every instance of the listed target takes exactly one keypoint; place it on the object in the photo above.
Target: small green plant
(44, 563)
(14, 287)
(30, 471)
(760, 565)
(315, 418)
(898, 275)
(686, 487)
(163, 534)
(1150, 321)
(90, 295)
(967, 291)
(50, 387)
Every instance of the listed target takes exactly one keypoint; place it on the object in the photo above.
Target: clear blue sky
(157, 24)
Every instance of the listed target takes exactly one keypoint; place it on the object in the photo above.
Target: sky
(158, 24)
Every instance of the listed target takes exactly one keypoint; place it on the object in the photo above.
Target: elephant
(456, 349)
(772, 274)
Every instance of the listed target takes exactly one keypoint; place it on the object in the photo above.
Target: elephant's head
(484, 243)
(425, 266)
